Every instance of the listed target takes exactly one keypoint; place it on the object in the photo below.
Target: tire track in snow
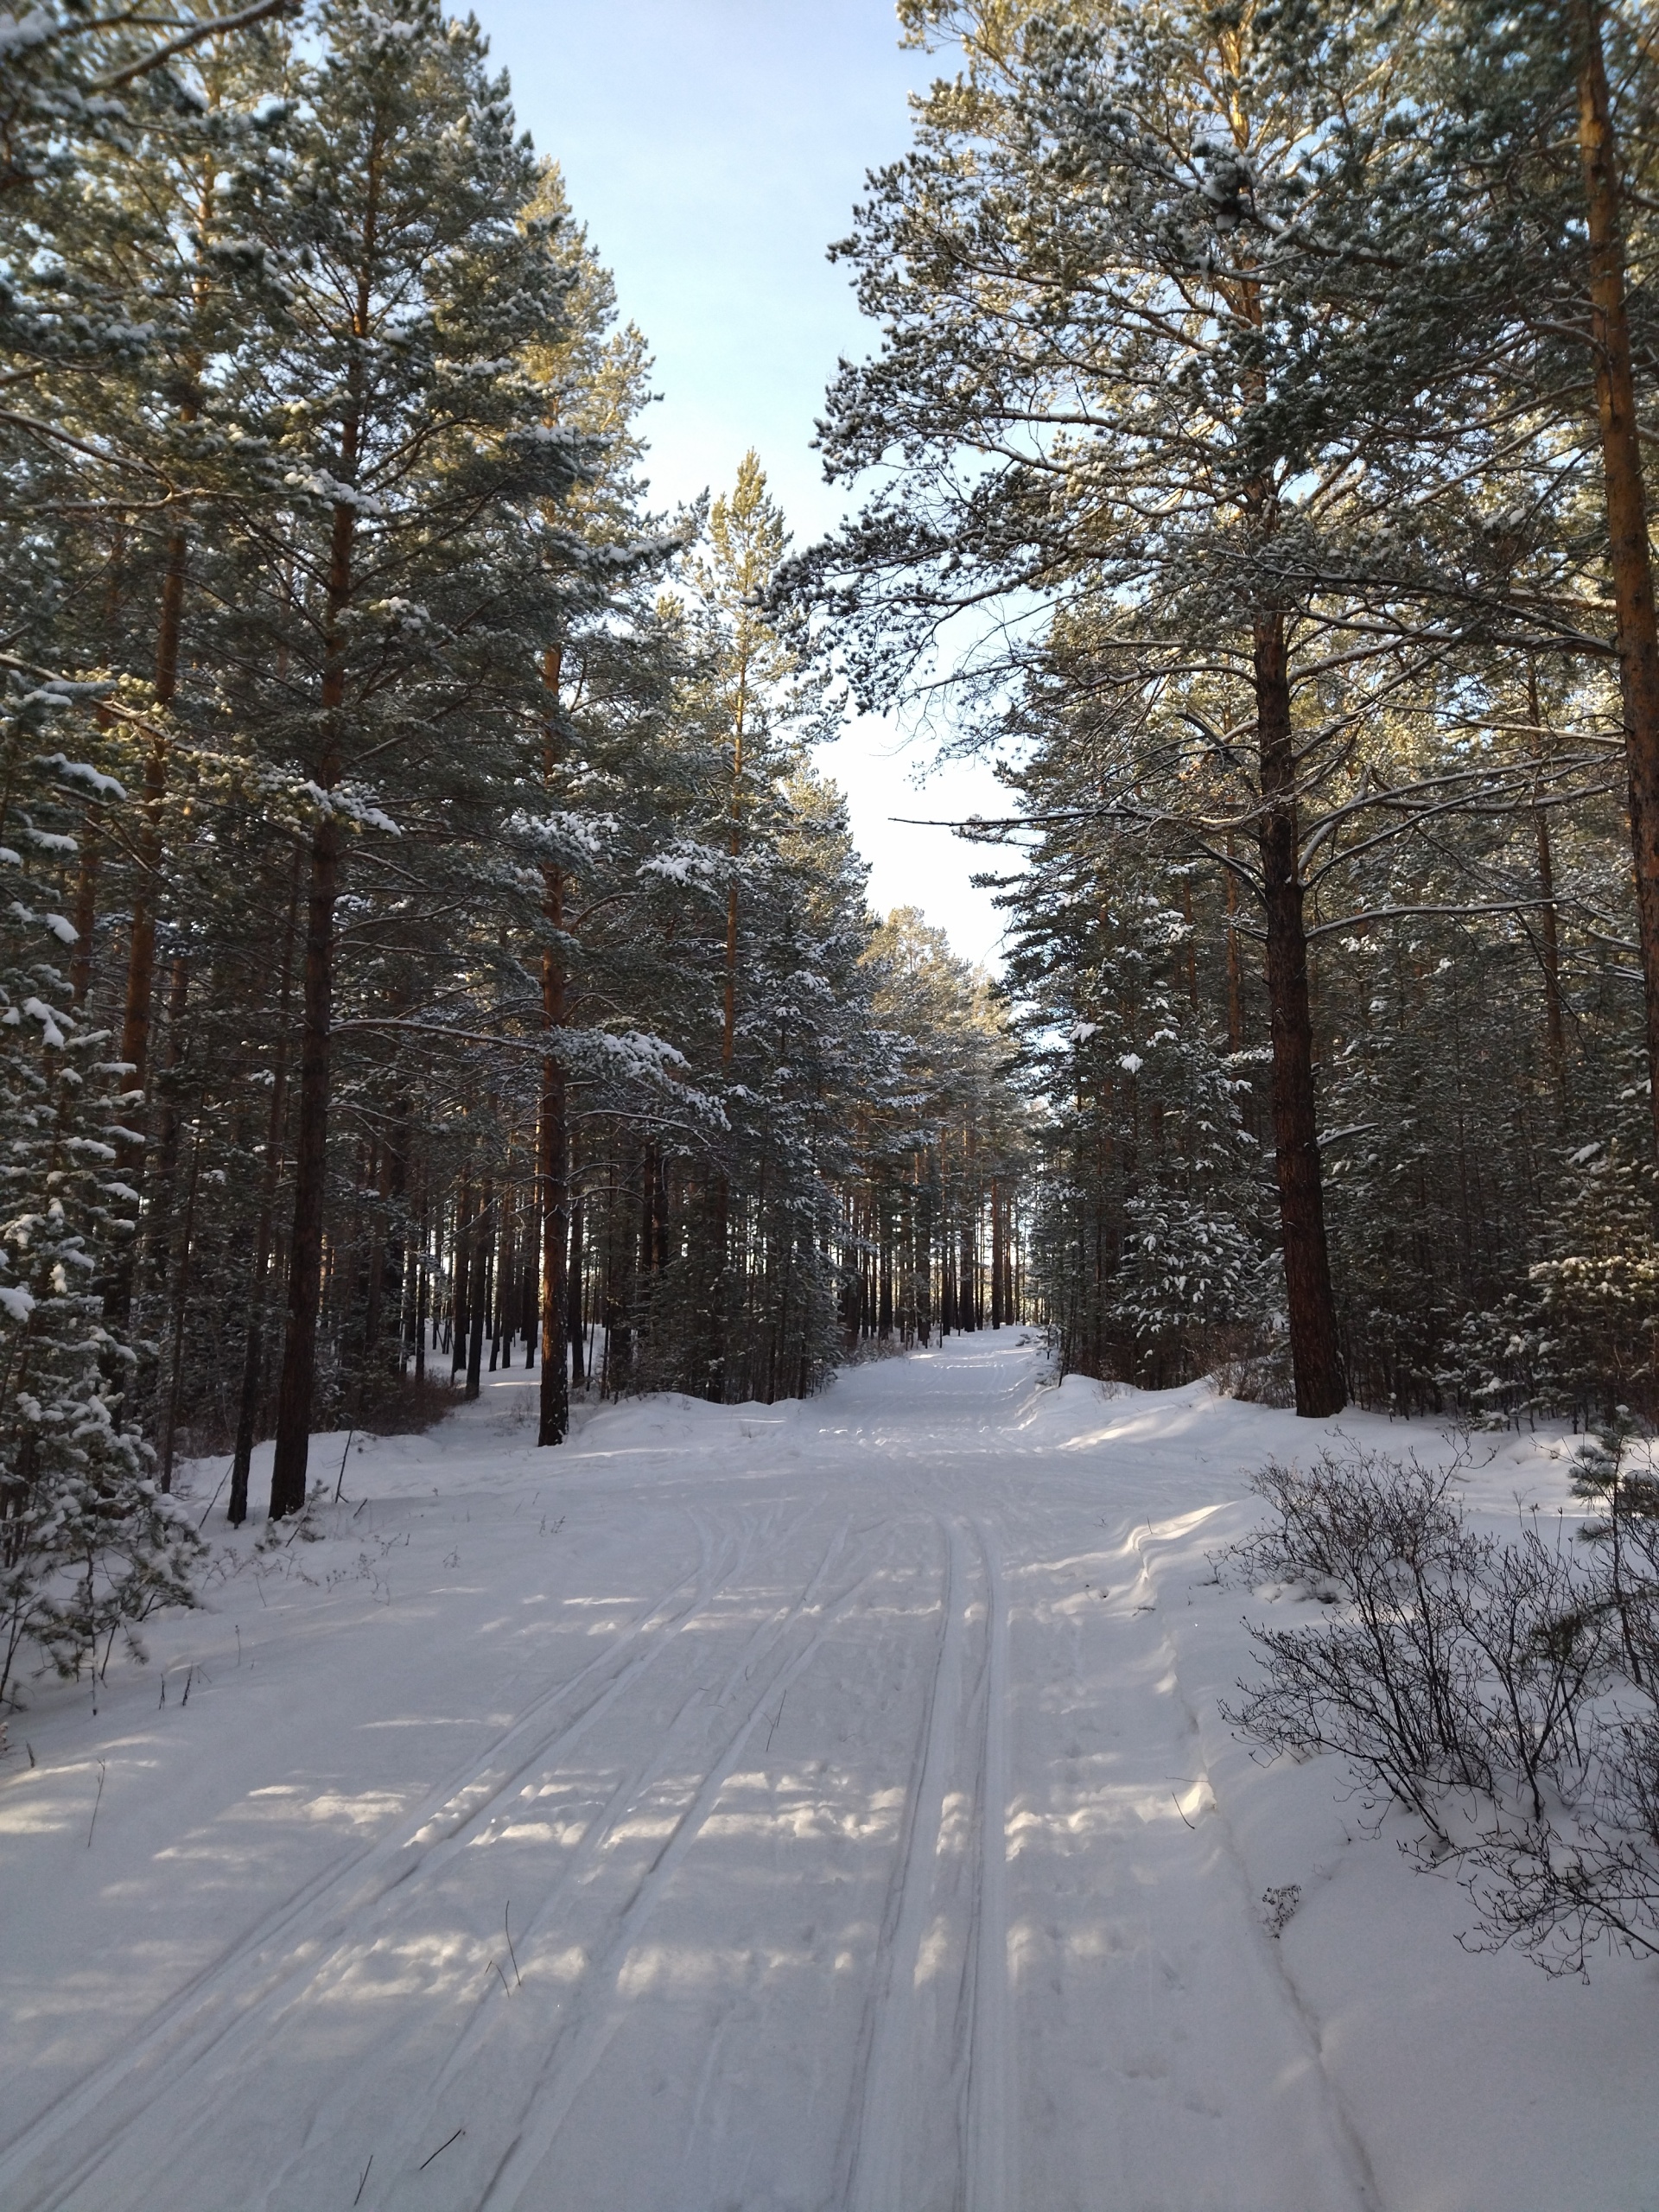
(183, 2032)
(887, 2082)
(583, 2041)
(991, 2164)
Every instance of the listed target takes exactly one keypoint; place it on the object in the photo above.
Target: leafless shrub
(1584, 1874)
(1252, 1363)
(1500, 1689)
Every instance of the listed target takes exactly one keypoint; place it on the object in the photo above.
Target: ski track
(185, 2031)
(583, 2044)
(625, 1800)
(888, 1774)
(889, 2072)
(992, 2182)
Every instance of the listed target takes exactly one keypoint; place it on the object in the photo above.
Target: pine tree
(87, 1545)
(1147, 1246)
(402, 417)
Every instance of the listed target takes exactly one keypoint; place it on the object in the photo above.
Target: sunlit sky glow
(714, 148)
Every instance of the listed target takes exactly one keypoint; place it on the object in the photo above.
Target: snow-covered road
(818, 1806)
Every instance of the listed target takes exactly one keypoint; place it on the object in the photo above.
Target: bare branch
(240, 20)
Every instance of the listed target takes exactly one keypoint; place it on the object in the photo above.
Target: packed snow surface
(822, 1805)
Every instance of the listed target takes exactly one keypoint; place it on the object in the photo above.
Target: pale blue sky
(714, 148)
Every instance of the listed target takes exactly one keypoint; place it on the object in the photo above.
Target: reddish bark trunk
(298, 1390)
(147, 845)
(1637, 626)
(310, 1181)
(553, 1141)
(998, 1315)
(1316, 1358)
(253, 1349)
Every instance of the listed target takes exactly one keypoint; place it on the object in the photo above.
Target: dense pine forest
(429, 942)
(1257, 441)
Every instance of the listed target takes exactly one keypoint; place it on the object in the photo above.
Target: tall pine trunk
(298, 1391)
(1637, 626)
(253, 1359)
(146, 844)
(477, 1295)
(139, 997)
(295, 1400)
(553, 1136)
(1316, 1359)
(573, 1295)
(422, 1290)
